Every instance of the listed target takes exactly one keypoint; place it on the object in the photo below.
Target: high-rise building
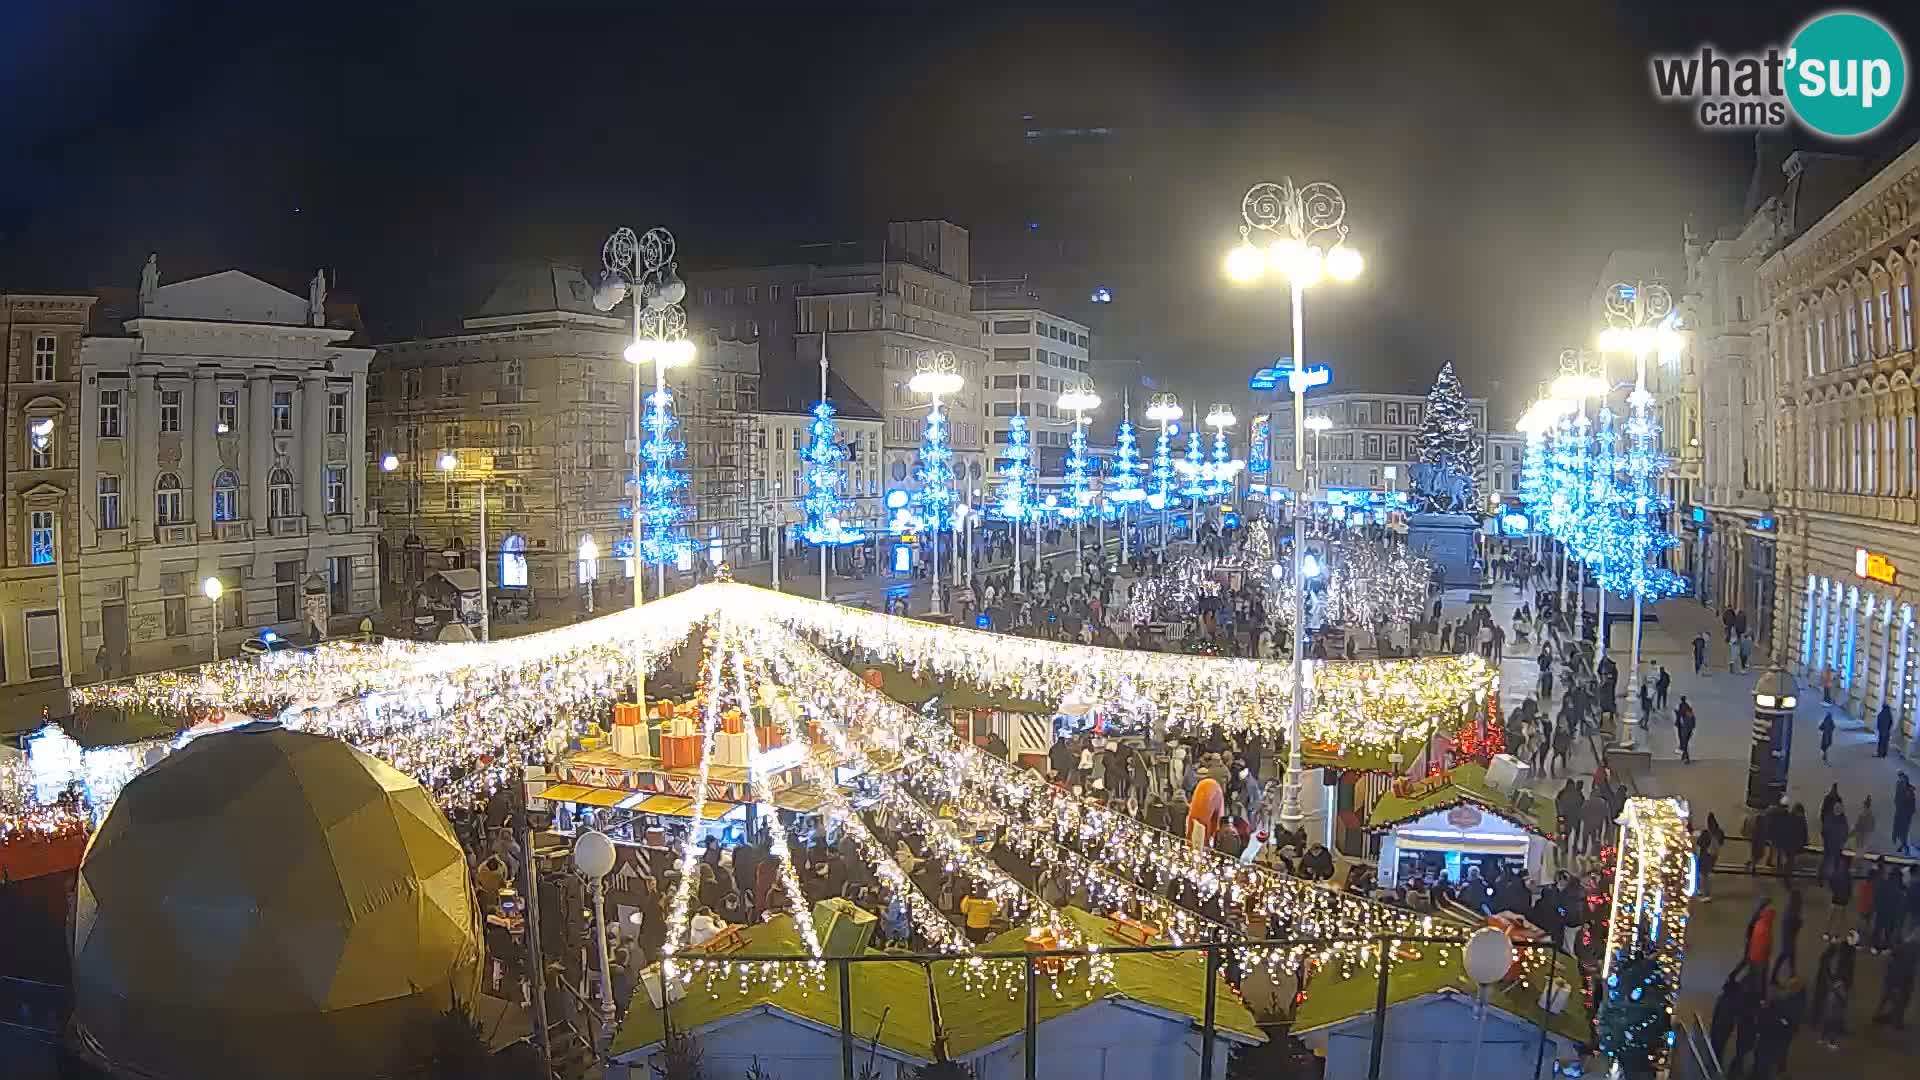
(1033, 355)
(878, 312)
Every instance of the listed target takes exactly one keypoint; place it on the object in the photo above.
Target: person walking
(1706, 850)
(1896, 987)
(1779, 1022)
(1883, 727)
(1595, 814)
(1683, 725)
(1700, 654)
(1826, 735)
(1863, 826)
(1661, 685)
(1787, 935)
(1903, 802)
(1791, 839)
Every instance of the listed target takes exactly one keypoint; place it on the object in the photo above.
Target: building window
(515, 375)
(229, 420)
(283, 410)
(168, 508)
(1889, 341)
(109, 418)
(1906, 316)
(513, 438)
(453, 497)
(226, 496)
(452, 436)
(43, 644)
(410, 383)
(45, 349)
(286, 590)
(340, 582)
(450, 382)
(337, 412)
(513, 562)
(336, 491)
(40, 442)
(169, 411)
(40, 537)
(280, 494)
(107, 505)
(1853, 335)
(513, 498)
(773, 293)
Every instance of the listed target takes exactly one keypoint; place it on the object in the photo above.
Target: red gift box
(770, 737)
(731, 723)
(680, 751)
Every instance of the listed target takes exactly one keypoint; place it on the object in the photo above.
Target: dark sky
(1491, 154)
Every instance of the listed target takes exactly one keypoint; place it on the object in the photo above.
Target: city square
(1118, 585)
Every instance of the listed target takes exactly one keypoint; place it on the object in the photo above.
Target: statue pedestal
(1446, 541)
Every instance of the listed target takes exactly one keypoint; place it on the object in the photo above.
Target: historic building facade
(534, 401)
(1373, 441)
(222, 435)
(1841, 330)
(40, 342)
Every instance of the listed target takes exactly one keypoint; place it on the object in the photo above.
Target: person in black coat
(1791, 838)
(1737, 1007)
(1779, 1022)
(1883, 726)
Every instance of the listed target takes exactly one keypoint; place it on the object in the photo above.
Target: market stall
(1454, 819)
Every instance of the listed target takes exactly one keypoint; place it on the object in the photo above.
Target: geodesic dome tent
(271, 903)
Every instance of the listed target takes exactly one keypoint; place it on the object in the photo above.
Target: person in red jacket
(1760, 936)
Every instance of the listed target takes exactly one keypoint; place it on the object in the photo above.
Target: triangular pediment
(228, 296)
(43, 491)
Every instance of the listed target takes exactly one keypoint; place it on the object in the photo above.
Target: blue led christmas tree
(1193, 470)
(1077, 464)
(1163, 467)
(1124, 469)
(1220, 470)
(1016, 473)
(935, 498)
(660, 509)
(1535, 485)
(824, 466)
(1639, 537)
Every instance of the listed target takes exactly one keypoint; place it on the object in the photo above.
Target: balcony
(233, 530)
(511, 395)
(287, 526)
(339, 524)
(507, 461)
(174, 533)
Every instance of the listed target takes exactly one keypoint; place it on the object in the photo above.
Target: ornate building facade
(1840, 306)
(222, 430)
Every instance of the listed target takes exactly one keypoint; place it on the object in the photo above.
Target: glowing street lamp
(1080, 400)
(389, 463)
(1306, 230)
(936, 375)
(1164, 410)
(213, 590)
(589, 567)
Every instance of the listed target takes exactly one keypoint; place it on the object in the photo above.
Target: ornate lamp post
(936, 375)
(1163, 409)
(1080, 400)
(1642, 319)
(1304, 232)
(643, 266)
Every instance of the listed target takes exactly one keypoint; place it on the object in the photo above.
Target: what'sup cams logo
(1843, 75)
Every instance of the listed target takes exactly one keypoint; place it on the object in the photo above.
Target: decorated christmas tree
(1641, 536)
(1124, 469)
(935, 497)
(1077, 464)
(1450, 443)
(1634, 1019)
(1016, 473)
(825, 468)
(660, 509)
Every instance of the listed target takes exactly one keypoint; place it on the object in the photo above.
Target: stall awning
(564, 792)
(670, 805)
(799, 800)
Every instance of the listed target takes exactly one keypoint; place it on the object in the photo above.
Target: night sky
(1491, 154)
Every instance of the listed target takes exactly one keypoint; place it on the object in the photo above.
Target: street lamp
(449, 462)
(643, 266)
(936, 375)
(589, 567)
(593, 856)
(1308, 228)
(1643, 320)
(213, 590)
(1163, 409)
(389, 463)
(1080, 401)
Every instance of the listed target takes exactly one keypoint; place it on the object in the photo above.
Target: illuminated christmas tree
(1124, 469)
(1163, 467)
(935, 497)
(1077, 465)
(1639, 537)
(660, 509)
(824, 466)
(1016, 473)
(1193, 470)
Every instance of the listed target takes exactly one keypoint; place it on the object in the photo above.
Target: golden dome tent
(267, 902)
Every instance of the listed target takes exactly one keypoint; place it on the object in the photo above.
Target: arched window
(514, 435)
(513, 562)
(226, 496)
(167, 506)
(514, 375)
(279, 494)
